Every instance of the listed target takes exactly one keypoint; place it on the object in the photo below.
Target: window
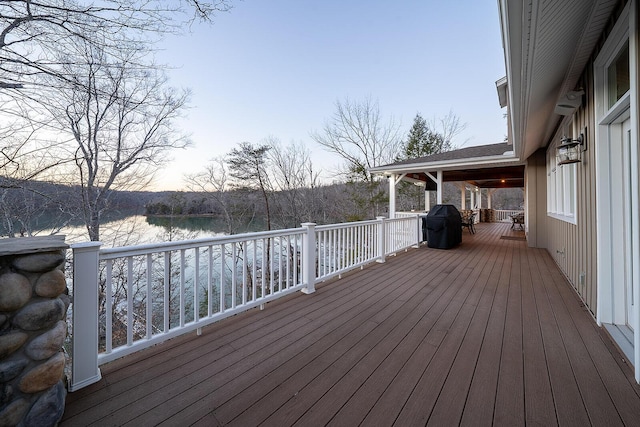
(618, 75)
(561, 187)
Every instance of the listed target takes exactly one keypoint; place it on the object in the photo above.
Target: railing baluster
(129, 300)
(270, 262)
(182, 287)
(263, 273)
(288, 261)
(210, 281)
(196, 286)
(166, 297)
(244, 250)
(223, 280)
(296, 279)
(280, 263)
(149, 296)
(254, 270)
(109, 307)
(234, 275)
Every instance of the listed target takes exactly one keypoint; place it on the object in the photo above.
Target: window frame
(562, 183)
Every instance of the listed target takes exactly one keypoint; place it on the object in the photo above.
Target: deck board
(488, 333)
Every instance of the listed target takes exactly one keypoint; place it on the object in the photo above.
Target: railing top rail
(402, 218)
(109, 253)
(345, 225)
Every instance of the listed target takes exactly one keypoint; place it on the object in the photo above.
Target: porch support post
(473, 199)
(463, 197)
(427, 200)
(382, 235)
(479, 198)
(84, 368)
(489, 194)
(392, 196)
(309, 257)
(439, 183)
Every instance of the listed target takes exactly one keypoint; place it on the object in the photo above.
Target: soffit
(487, 177)
(547, 46)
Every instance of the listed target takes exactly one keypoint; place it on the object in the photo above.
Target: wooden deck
(488, 333)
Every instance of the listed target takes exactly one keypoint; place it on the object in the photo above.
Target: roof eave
(469, 163)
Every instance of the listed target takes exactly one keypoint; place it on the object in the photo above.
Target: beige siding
(573, 246)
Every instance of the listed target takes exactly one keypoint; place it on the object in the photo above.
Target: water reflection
(138, 229)
(214, 224)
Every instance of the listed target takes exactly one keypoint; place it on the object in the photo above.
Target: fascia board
(477, 163)
(511, 22)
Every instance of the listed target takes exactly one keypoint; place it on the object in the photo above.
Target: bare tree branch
(356, 133)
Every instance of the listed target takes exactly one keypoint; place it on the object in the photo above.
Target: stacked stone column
(33, 305)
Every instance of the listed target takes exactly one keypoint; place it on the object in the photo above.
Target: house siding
(573, 246)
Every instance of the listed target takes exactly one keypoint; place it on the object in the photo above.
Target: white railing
(130, 298)
(343, 247)
(401, 233)
(505, 215)
(410, 214)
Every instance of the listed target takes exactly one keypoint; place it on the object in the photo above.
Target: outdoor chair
(468, 222)
(517, 219)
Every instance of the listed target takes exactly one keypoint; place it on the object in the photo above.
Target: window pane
(618, 75)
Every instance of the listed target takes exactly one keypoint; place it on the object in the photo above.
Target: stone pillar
(33, 305)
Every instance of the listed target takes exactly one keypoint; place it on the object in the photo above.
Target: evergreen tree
(423, 140)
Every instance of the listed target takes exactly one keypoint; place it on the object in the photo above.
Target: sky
(276, 69)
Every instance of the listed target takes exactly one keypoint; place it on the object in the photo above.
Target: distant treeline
(322, 205)
(26, 206)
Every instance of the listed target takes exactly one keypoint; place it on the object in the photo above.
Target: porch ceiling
(488, 177)
(547, 45)
(506, 177)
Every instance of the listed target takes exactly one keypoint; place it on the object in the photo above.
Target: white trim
(607, 160)
(619, 112)
(439, 194)
(562, 187)
(469, 163)
(633, 77)
(604, 255)
(566, 218)
(392, 196)
(635, 156)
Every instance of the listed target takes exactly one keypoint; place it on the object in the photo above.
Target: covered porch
(471, 170)
(487, 333)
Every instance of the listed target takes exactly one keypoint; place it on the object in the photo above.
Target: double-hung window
(561, 187)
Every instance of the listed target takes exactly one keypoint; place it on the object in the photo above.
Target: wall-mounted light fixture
(570, 150)
(568, 103)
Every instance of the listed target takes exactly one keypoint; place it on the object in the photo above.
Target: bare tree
(120, 117)
(448, 127)
(33, 33)
(39, 55)
(248, 167)
(294, 177)
(356, 132)
(214, 181)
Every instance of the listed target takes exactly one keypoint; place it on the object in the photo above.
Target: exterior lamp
(569, 151)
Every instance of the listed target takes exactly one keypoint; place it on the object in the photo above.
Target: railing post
(418, 235)
(84, 363)
(382, 233)
(309, 257)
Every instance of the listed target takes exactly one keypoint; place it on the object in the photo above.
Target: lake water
(139, 229)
